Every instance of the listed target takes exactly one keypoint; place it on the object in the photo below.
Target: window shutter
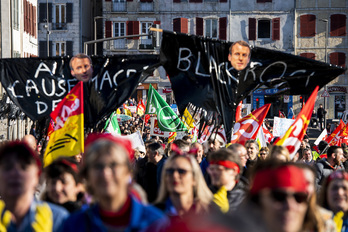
(69, 48)
(199, 26)
(276, 29)
(35, 22)
(50, 18)
(108, 29)
(176, 0)
(43, 48)
(69, 12)
(176, 25)
(184, 25)
(31, 8)
(25, 15)
(107, 0)
(129, 0)
(133, 28)
(222, 0)
(338, 58)
(252, 29)
(42, 12)
(307, 25)
(338, 25)
(308, 55)
(157, 22)
(222, 28)
(195, 1)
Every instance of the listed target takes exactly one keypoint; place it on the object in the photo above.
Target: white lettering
(183, 60)
(40, 104)
(28, 88)
(42, 68)
(11, 89)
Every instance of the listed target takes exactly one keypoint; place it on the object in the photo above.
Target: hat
(219, 137)
(287, 176)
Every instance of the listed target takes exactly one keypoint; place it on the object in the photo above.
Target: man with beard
(330, 164)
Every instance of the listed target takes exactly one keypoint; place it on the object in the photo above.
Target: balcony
(119, 44)
(119, 6)
(146, 44)
(146, 6)
(59, 26)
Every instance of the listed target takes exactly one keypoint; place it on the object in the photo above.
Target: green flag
(111, 125)
(167, 119)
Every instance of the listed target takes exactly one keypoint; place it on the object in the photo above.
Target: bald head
(30, 141)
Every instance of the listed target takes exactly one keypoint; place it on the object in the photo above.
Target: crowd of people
(180, 186)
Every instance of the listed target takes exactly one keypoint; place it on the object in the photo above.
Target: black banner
(200, 73)
(37, 85)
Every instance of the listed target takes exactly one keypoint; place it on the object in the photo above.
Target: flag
(205, 134)
(167, 119)
(248, 127)
(333, 138)
(268, 135)
(281, 115)
(118, 111)
(291, 114)
(127, 110)
(141, 108)
(147, 118)
(239, 111)
(261, 139)
(321, 137)
(187, 119)
(171, 137)
(67, 139)
(294, 135)
(111, 125)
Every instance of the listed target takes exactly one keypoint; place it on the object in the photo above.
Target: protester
(81, 67)
(264, 152)
(242, 153)
(183, 190)
(307, 156)
(19, 174)
(321, 115)
(224, 171)
(107, 170)
(328, 165)
(30, 140)
(334, 196)
(252, 148)
(279, 153)
(239, 55)
(200, 157)
(63, 184)
(215, 142)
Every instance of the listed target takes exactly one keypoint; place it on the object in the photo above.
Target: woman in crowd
(280, 153)
(264, 152)
(107, 170)
(334, 196)
(183, 190)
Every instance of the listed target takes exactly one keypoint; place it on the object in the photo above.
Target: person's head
(181, 175)
(241, 151)
(30, 140)
(279, 190)
(304, 144)
(183, 145)
(323, 146)
(252, 148)
(62, 180)
(320, 105)
(307, 155)
(154, 152)
(81, 67)
(107, 166)
(200, 151)
(19, 171)
(335, 155)
(280, 153)
(239, 55)
(264, 151)
(215, 142)
(224, 168)
(334, 192)
(187, 138)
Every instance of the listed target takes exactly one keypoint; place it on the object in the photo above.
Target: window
(180, 25)
(307, 25)
(119, 5)
(338, 58)
(145, 29)
(60, 49)
(338, 25)
(119, 30)
(146, 5)
(264, 29)
(59, 22)
(211, 28)
(15, 16)
(308, 55)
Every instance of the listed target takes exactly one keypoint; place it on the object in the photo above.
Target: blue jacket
(142, 217)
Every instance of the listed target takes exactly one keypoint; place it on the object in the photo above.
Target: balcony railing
(119, 6)
(59, 26)
(146, 6)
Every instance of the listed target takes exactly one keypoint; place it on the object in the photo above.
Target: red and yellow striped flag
(67, 138)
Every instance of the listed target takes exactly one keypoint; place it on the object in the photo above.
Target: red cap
(288, 176)
(125, 143)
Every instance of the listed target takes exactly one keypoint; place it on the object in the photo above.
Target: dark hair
(226, 154)
(332, 150)
(242, 43)
(156, 147)
(253, 142)
(323, 146)
(79, 56)
(61, 166)
(182, 144)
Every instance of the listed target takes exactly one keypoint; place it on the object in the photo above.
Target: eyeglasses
(281, 196)
(182, 172)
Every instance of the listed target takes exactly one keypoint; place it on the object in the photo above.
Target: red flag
(281, 115)
(334, 137)
(268, 135)
(239, 111)
(141, 108)
(67, 138)
(147, 118)
(294, 135)
(247, 127)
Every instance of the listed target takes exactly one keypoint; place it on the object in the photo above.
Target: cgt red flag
(247, 127)
(294, 135)
(239, 111)
(141, 108)
(340, 132)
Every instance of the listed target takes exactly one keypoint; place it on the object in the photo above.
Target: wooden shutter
(195, 1)
(69, 12)
(199, 26)
(252, 29)
(222, 0)
(176, 25)
(108, 30)
(35, 22)
(307, 25)
(107, 0)
(133, 28)
(338, 58)
(338, 25)
(308, 55)
(69, 48)
(42, 12)
(276, 29)
(43, 48)
(176, 0)
(222, 28)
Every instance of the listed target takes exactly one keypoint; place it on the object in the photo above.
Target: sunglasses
(281, 196)
(170, 171)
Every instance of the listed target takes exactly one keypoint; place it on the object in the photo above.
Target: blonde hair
(202, 196)
(279, 150)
